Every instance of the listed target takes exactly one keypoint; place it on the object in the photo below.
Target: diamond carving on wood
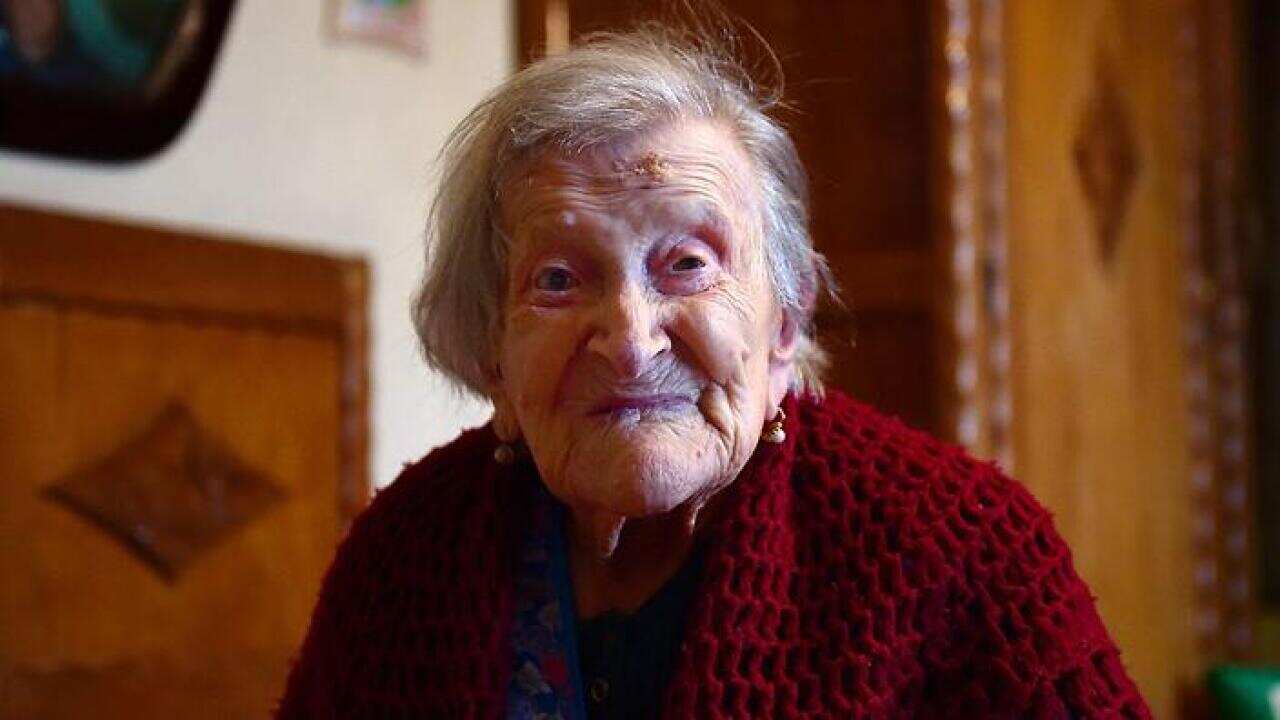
(1106, 158)
(169, 494)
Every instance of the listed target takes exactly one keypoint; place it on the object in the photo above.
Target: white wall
(307, 142)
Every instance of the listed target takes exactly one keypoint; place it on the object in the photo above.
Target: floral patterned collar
(545, 681)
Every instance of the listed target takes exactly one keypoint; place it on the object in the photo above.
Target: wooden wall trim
(542, 28)
(1216, 322)
(167, 272)
(998, 350)
(972, 203)
(354, 488)
(531, 33)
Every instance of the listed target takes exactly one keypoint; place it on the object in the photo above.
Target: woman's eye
(555, 279)
(689, 262)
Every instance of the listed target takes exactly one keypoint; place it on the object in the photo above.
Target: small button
(599, 690)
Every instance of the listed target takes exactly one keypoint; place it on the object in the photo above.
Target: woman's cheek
(539, 347)
(718, 328)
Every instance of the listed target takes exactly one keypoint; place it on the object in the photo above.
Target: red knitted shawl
(860, 569)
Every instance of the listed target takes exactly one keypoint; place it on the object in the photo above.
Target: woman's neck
(617, 564)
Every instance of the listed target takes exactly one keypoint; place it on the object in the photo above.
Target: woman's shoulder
(847, 434)
(435, 497)
(862, 460)
(445, 471)
(409, 534)
(424, 554)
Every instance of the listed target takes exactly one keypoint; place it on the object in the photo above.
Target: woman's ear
(782, 357)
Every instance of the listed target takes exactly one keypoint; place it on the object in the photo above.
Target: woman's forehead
(698, 164)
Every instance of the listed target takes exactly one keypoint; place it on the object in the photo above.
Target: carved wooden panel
(181, 447)
(170, 494)
(1106, 156)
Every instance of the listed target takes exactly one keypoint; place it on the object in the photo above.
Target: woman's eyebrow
(543, 233)
(706, 219)
(550, 228)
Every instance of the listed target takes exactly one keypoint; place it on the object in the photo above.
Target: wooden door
(859, 77)
(181, 446)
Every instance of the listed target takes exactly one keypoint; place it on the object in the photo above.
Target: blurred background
(1056, 224)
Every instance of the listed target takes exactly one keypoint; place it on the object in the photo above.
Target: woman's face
(642, 346)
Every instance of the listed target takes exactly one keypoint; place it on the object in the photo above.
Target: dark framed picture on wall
(111, 80)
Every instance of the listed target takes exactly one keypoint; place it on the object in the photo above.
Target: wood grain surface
(95, 344)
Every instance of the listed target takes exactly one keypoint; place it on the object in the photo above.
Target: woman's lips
(640, 403)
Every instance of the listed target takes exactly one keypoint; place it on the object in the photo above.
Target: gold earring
(774, 432)
(504, 454)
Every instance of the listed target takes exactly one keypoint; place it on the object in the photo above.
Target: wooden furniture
(182, 442)
(1033, 209)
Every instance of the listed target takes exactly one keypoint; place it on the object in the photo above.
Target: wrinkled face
(642, 346)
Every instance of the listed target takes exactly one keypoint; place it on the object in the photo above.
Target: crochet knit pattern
(861, 569)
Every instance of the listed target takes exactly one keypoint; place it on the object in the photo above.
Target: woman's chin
(633, 507)
(638, 480)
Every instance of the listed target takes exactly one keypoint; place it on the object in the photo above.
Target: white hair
(608, 87)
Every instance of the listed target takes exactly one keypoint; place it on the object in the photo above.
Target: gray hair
(608, 87)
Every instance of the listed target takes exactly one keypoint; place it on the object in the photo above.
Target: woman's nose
(629, 333)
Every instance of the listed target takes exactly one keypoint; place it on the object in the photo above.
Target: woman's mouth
(642, 403)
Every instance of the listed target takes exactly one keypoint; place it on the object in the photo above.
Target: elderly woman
(667, 516)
